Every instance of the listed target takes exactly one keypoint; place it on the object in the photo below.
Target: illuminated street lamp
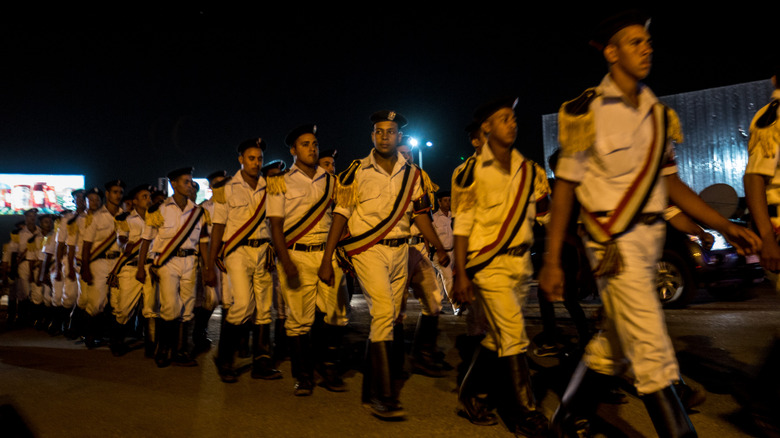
(415, 144)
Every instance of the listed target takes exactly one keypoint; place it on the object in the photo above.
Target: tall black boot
(382, 402)
(302, 364)
(398, 354)
(329, 359)
(166, 338)
(117, 340)
(200, 336)
(579, 402)
(77, 323)
(423, 358)
(93, 334)
(262, 364)
(280, 341)
(519, 402)
(226, 350)
(56, 316)
(471, 396)
(39, 316)
(150, 336)
(181, 354)
(668, 414)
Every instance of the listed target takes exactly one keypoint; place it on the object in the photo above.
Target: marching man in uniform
(176, 234)
(300, 213)
(617, 158)
(377, 198)
(98, 255)
(240, 241)
(496, 197)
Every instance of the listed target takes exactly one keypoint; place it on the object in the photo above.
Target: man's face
(406, 152)
(182, 185)
(114, 195)
(631, 52)
(143, 200)
(306, 150)
(46, 224)
(251, 161)
(329, 164)
(444, 204)
(30, 218)
(385, 137)
(80, 201)
(502, 126)
(94, 202)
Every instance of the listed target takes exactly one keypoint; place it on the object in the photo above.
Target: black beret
(172, 175)
(333, 153)
(77, 192)
(443, 194)
(31, 210)
(276, 164)
(137, 189)
(388, 116)
(611, 25)
(217, 174)
(94, 191)
(114, 182)
(251, 143)
(299, 131)
(472, 127)
(487, 109)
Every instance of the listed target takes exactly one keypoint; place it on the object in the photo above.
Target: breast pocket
(167, 231)
(293, 195)
(617, 155)
(491, 203)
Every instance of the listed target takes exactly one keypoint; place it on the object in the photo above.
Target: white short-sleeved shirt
(442, 223)
(135, 227)
(495, 190)
(376, 193)
(100, 228)
(767, 166)
(301, 194)
(241, 201)
(173, 219)
(25, 237)
(623, 137)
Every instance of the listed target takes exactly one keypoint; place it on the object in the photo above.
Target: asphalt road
(54, 387)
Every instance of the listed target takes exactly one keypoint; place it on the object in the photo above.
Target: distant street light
(416, 145)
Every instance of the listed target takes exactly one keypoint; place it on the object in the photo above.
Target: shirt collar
(610, 90)
(318, 173)
(370, 161)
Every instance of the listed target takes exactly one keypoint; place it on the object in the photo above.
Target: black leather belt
(185, 252)
(393, 242)
(414, 240)
(256, 243)
(135, 262)
(109, 255)
(517, 251)
(641, 218)
(307, 248)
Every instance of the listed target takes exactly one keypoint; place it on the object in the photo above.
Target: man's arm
(423, 222)
(280, 246)
(140, 273)
(744, 240)
(755, 196)
(551, 275)
(215, 245)
(334, 235)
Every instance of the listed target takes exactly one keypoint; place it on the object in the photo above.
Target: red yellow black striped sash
(242, 234)
(638, 193)
(128, 255)
(357, 244)
(180, 237)
(313, 216)
(512, 223)
(100, 249)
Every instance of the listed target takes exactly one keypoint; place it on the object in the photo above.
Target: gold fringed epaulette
(73, 226)
(154, 217)
(120, 222)
(15, 237)
(765, 131)
(88, 220)
(673, 127)
(576, 123)
(207, 216)
(276, 185)
(464, 195)
(346, 190)
(218, 190)
(541, 183)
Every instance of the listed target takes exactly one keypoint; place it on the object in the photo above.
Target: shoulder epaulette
(673, 128)
(765, 131)
(276, 185)
(88, 220)
(576, 127)
(154, 217)
(206, 216)
(218, 190)
(463, 191)
(346, 191)
(120, 221)
(541, 183)
(15, 236)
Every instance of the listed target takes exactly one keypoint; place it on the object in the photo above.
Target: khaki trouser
(250, 284)
(177, 288)
(382, 272)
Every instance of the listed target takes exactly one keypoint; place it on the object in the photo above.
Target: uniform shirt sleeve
(149, 232)
(465, 216)
(220, 213)
(275, 205)
(760, 164)
(89, 231)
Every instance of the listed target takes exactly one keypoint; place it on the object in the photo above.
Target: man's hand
(140, 275)
(443, 258)
(770, 254)
(744, 240)
(551, 282)
(326, 272)
(462, 289)
(209, 276)
(291, 272)
(86, 274)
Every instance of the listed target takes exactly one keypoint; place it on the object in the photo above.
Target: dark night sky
(133, 94)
